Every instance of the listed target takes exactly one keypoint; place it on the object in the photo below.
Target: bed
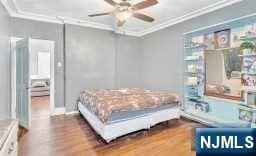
(40, 86)
(117, 112)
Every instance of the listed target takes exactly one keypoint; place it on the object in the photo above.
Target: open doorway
(40, 67)
(40, 83)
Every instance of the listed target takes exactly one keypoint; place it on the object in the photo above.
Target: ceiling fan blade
(144, 4)
(143, 17)
(100, 14)
(120, 23)
(111, 2)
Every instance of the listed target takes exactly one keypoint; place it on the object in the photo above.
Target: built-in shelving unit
(216, 111)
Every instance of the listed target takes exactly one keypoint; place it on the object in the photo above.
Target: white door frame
(13, 77)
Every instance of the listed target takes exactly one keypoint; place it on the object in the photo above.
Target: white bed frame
(111, 131)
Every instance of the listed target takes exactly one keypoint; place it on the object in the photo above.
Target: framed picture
(209, 41)
(222, 39)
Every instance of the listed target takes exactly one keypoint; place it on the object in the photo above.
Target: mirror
(223, 70)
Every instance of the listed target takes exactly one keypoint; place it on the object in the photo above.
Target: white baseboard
(59, 111)
(71, 113)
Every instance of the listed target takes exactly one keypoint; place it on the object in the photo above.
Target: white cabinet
(9, 144)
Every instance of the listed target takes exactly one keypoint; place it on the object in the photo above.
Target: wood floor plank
(72, 136)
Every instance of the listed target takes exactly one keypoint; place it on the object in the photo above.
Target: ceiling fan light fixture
(123, 10)
(123, 15)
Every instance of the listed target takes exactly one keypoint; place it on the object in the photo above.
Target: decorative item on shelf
(191, 58)
(187, 44)
(248, 80)
(245, 114)
(249, 30)
(198, 53)
(247, 47)
(254, 49)
(197, 41)
(209, 41)
(222, 39)
(192, 81)
(253, 68)
(236, 34)
(248, 62)
(192, 68)
(236, 74)
(202, 106)
(254, 118)
(251, 99)
(192, 91)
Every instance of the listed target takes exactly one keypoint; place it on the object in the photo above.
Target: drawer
(10, 146)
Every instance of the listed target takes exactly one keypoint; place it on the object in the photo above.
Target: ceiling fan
(124, 10)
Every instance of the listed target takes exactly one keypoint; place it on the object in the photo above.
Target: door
(23, 101)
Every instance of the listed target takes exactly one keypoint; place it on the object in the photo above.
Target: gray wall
(5, 77)
(162, 60)
(128, 61)
(89, 61)
(48, 31)
(99, 59)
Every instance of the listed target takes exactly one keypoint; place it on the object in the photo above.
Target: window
(44, 65)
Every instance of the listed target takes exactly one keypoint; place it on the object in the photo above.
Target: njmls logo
(226, 142)
(230, 141)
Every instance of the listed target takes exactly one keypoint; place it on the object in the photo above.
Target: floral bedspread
(103, 102)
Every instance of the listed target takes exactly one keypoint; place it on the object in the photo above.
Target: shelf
(194, 47)
(189, 85)
(192, 60)
(194, 97)
(248, 55)
(246, 38)
(249, 88)
(222, 49)
(248, 73)
(250, 107)
(211, 120)
(194, 73)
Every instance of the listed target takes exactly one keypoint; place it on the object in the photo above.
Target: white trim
(35, 17)
(72, 113)
(13, 79)
(13, 76)
(59, 111)
(7, 7)
(61, 20)
(52, 76)
(219, 24)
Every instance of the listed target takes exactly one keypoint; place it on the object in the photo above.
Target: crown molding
(194, 14)
(6, 5)
(66, 20)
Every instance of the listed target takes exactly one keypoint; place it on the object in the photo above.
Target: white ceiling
(165, 12)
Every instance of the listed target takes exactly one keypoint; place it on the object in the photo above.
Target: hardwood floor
(40, 107)
(72, 136)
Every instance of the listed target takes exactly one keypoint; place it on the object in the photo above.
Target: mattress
(116, 117)
(122, 104)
